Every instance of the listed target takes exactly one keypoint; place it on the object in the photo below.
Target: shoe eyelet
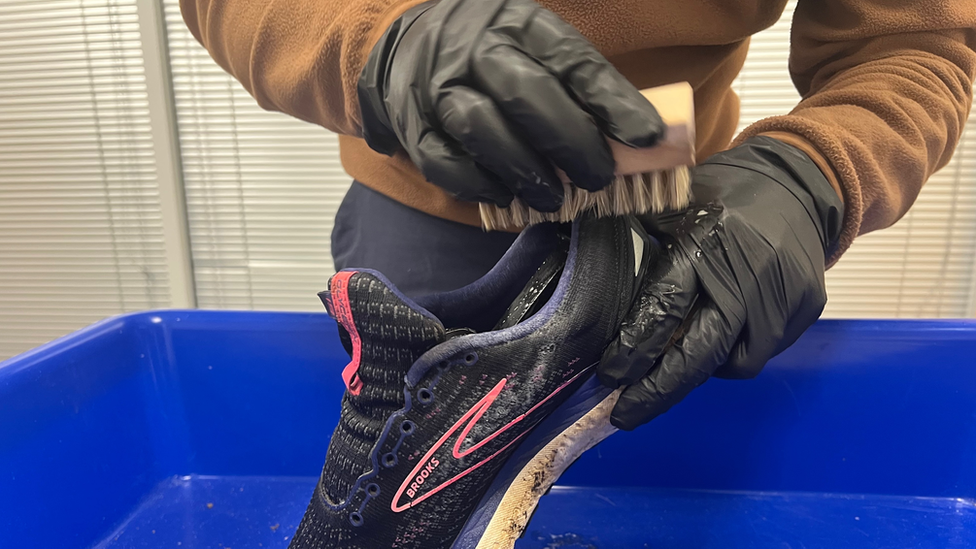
(442, 366)
(470, 358)
(425, 396)
(356, 519)
(373, 489)
(407, 427)
(389, 460)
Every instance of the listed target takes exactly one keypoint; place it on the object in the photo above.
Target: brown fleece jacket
(886, 84)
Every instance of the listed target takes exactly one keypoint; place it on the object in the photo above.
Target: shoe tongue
(383, 332)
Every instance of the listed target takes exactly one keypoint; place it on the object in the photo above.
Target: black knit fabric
(393, 335)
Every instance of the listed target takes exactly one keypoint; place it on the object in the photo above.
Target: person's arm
(886, 92)
(887, 88)
(300, 57)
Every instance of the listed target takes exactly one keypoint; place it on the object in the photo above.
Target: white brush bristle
(652, 192)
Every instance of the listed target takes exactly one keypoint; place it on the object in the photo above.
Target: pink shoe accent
(468, 421)
(458, 453)
(339, 290)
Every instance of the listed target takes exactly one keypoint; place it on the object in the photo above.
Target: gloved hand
(741, 275)
(487, 95)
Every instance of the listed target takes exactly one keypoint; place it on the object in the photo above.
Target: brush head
(652, 179)
(652, 192)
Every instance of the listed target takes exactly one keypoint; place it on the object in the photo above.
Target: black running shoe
(463, 408)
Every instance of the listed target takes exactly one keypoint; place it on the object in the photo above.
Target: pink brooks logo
(418, 486)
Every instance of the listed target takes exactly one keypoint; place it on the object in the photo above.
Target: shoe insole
(539, 289)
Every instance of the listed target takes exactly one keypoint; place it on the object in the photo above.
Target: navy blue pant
(421, 254)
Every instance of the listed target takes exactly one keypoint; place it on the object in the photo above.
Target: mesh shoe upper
(430, 420)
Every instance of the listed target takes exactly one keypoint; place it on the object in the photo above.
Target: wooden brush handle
(676, 105)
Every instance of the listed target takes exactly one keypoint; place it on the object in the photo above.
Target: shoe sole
(538, 475)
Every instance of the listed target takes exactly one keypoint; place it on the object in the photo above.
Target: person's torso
(618, 27)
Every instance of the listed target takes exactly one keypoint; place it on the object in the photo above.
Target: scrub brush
(652, 179)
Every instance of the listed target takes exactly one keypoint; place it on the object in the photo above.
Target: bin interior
(202, 429)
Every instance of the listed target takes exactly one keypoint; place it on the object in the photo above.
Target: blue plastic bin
(197, 429)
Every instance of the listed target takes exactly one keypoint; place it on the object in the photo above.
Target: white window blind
(80, 227)
(923, 266)
(262, 188)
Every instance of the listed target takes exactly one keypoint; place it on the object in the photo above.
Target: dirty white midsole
(534, 480)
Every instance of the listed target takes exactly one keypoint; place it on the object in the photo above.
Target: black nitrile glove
(741, 274)
(487, 95)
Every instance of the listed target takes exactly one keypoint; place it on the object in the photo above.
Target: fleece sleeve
(300, 57)
(886, 90)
